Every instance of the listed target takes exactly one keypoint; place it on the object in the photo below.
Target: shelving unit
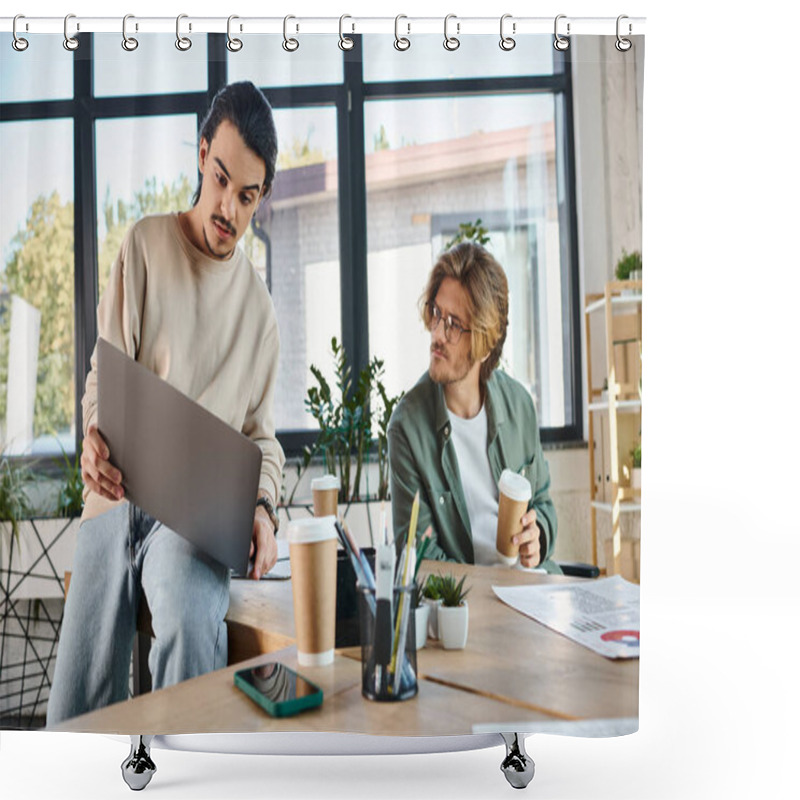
(615, 415)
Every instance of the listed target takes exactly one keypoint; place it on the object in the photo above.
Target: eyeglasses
(452, 329)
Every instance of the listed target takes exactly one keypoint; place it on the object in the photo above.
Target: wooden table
(514, 674)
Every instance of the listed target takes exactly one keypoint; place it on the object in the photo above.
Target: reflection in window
(300, 226)
(435, 163)
(158, 175)
(37, 393)
(42, 72)
(156, 66)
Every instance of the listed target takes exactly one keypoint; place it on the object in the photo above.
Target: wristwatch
(268, 507)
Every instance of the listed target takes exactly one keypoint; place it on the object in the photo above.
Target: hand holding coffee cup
(515, 494)
(325, 491)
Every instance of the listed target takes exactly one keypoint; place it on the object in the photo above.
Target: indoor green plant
(629, 267)
(453, 613)
(345, 418)
(431, 596)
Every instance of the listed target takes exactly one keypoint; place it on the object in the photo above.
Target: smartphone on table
(280, 691)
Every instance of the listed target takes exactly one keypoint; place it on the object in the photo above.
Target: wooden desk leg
(138, 768)
(517, 766)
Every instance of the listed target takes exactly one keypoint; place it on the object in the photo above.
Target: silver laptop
(180, 464)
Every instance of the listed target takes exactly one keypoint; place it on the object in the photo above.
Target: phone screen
(278, 689)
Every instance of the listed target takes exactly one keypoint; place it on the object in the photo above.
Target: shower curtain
(392, 149)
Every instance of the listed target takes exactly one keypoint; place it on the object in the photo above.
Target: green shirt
(423, 458)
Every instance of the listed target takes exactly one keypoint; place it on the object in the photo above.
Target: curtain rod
(346, 25)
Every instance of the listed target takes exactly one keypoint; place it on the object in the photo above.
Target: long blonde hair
(487, 299)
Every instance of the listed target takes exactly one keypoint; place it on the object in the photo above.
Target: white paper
(602, 615)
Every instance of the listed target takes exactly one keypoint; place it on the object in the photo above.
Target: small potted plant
(431, 597)
(453, 613)
(629, 268)
(636, 467)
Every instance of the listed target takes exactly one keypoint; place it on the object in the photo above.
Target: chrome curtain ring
(623, 45)
(507, 42)
(560, 42)
(400, 42)
(451, 42)
(289, 45)
(345, 42)
(183, 43)
(128, 42)
(234, 45)
(18, 43)
(70, 42)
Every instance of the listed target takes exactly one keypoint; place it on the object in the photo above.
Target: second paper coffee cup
(515, 494)
(312, 552)
(325, 491)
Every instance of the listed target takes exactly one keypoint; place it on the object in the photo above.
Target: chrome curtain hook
(345, 42)
(289, 45)
(70, 42)
(234, 45)
(451, 42)
(19, 44)
(400, 42)
(623, 45)
(128, 42)
(183, 43)
(560, 42)
(507, 42)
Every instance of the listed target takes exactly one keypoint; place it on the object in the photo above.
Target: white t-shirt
(470, 439)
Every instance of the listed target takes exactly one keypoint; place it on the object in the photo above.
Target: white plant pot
(433, 617)
(453, 626)
(421, 615)
(636, 477)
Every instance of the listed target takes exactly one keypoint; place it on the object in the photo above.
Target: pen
(384, 590)
(402, 615)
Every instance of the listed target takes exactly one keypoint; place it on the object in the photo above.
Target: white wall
(607, 92)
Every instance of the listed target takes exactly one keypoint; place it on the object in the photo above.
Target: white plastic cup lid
(325, 482)
(514, 486)
(311, 529)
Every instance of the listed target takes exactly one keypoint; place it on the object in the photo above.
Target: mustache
(223, 224)
(438, 350)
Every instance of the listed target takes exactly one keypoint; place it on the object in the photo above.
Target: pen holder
(388, 645)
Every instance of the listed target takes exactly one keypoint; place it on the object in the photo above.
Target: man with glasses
(464, 422)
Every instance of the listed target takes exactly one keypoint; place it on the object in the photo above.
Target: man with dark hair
(186, 303)
(464, 422)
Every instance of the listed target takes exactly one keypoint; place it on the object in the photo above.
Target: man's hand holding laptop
(99, 474)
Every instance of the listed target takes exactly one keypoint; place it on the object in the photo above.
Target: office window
(301, 223)
(354, 222)
(157, 175)
(434, 163)
(263, 61)
(37, 386)
(476, 57)
(156, 66)
(42, 72)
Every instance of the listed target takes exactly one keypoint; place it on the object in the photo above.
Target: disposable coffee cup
(515, 494)
(325, 491)
(312, 553)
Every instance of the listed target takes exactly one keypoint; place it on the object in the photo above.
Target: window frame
(349, 98)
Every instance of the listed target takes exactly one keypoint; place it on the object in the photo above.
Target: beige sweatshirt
(207, 327)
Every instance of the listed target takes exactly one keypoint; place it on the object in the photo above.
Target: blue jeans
(119, 555)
